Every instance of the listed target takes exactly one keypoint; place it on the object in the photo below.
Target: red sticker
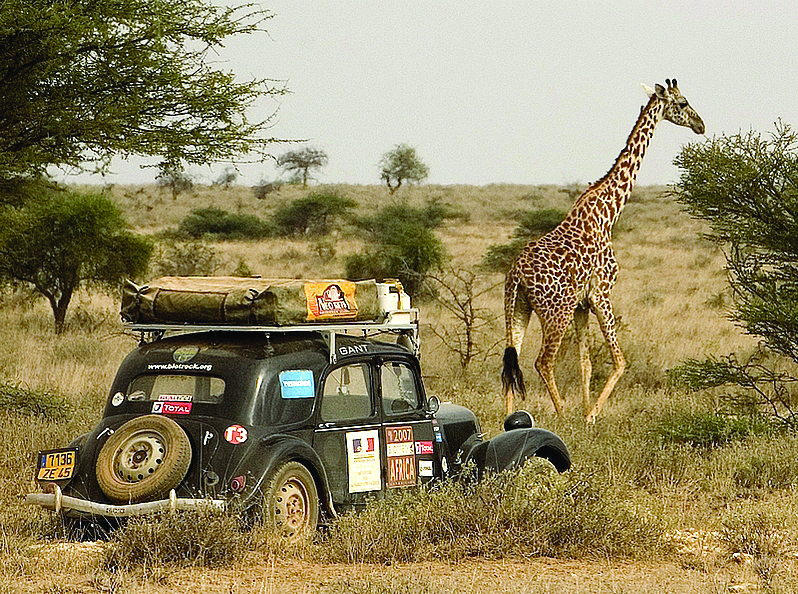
(235, 434)
(424, 448)
(171, 408)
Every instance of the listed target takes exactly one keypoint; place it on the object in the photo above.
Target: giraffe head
(677, 109)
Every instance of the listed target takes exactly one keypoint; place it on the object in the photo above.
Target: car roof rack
(402, 323)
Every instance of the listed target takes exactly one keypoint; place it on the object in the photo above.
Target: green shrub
(313, 214)
(32, 402)
(224, 225)
(709, 429)
(500, 257)
(401, 245)
(190, 258)
(532, 224)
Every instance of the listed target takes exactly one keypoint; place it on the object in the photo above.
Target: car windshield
(154, 387)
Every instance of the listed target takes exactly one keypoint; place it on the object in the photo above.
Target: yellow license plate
(56, 465)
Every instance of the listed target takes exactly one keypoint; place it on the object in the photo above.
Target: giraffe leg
(581, 319)
(603, 310)
(553, 332)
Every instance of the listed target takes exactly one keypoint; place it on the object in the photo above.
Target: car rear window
(155, 387)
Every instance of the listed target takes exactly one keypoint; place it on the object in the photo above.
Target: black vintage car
(292, 424)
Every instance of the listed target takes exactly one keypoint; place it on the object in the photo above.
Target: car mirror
(433, 404)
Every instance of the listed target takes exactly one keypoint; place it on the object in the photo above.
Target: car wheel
(144, 459)
(291, 502)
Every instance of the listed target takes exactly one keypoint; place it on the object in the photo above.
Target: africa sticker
(401, 456)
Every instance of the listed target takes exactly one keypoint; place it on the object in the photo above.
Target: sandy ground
(73, 570)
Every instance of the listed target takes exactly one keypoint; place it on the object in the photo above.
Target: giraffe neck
(609, 195)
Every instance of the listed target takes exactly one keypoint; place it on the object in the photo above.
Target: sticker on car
(401, 456)
(363, 457)
(297, 383)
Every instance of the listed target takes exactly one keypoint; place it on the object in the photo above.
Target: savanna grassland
(669, 492)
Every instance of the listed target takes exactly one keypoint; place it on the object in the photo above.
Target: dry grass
(669, 299)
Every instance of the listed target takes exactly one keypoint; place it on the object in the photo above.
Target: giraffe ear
(661, 91)
(649, 91)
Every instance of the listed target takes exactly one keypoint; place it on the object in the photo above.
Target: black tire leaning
(291, 502)
(143, 460)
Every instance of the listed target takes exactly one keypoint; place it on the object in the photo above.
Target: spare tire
(143, 460)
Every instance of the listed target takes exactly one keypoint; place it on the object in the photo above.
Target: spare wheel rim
(139, 456)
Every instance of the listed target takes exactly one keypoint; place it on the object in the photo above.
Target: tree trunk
(59, 306)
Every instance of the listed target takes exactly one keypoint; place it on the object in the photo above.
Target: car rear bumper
(59, 502)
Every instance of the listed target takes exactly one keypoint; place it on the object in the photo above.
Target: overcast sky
(532, 92)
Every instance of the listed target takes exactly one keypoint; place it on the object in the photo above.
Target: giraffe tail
(512, 377)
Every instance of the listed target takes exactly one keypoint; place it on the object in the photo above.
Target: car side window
(399, 392)
(346, 394)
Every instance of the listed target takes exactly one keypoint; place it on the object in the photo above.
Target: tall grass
(630, 489)
(531, 512)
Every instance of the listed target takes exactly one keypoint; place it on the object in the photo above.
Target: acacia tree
(302, 161)
(400, 165)
(59, 241)
(746, 187)
(84, 80)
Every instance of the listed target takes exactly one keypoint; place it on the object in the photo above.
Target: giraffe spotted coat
(570, 272)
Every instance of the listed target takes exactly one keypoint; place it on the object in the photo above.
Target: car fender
(512, 448)
(269, 454)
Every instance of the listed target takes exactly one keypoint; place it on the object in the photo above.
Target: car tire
(291, 502)
(143, 460)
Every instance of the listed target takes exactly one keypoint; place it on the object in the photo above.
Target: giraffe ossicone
(570, 272)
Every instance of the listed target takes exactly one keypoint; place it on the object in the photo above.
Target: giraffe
(570, 271)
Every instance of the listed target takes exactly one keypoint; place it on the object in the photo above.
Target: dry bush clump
(196, 539)
(529, 512)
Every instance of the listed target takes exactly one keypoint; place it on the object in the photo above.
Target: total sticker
(235, 434)
(171, 408)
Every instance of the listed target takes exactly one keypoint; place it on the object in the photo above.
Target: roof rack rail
(403, 323)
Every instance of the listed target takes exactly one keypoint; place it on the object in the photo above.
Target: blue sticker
(297, 383)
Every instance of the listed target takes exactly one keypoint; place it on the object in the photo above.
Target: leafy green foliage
(60, 241)
(300, 162)
(402, 244)
(746, 187)
(313, 214)
(709, 429)
(189, 258)
(402, 164)
(31, 402)
(86, 80)
(532, 224)
(173, 178)
(223, 225)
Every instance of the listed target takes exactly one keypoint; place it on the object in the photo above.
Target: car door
(347, 436)
(407, 427)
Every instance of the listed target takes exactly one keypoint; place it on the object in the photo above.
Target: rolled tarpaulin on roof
(249, 301)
